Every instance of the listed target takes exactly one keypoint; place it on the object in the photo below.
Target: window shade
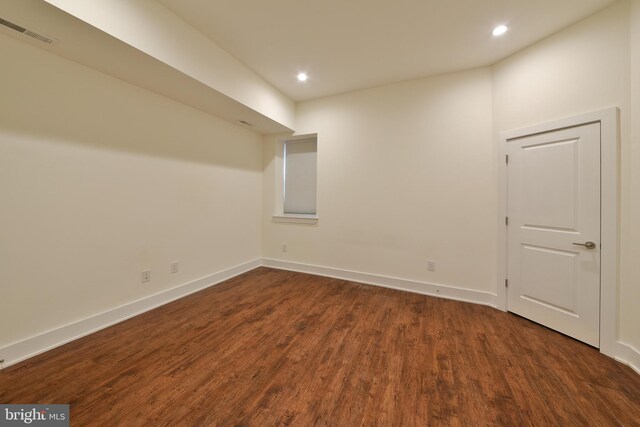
(300, 167)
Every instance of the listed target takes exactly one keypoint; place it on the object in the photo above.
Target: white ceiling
(346, 45)
(86, 44)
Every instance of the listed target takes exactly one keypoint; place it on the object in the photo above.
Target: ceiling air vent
(28, 32)
(244, 122)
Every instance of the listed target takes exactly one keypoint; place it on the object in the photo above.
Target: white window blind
(300, 170)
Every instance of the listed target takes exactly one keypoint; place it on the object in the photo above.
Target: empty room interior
(340, 213)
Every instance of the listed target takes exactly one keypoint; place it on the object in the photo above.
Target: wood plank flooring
(281, 348)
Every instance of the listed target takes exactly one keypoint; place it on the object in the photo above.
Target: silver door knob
(588, 245)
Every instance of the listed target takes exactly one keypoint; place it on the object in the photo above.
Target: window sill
(296, 219)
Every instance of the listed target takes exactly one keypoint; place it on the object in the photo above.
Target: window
(296, 186)
(300, 165)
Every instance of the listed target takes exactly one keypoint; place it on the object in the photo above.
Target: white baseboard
(19, 351)
(431, 289)
(628, 355)
(22, 350)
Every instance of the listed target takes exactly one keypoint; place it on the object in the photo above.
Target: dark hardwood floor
(280, 348)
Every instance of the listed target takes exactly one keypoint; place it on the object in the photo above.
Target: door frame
(609, 119)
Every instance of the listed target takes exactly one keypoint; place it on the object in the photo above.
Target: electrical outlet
(284, 248)
(431, 265)
(174, 267)
(146, 276)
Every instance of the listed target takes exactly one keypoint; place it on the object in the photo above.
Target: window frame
(279, 215)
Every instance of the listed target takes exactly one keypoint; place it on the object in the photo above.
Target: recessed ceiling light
(302, 77)
(500, 30)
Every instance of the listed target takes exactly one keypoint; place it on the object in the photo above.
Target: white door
(553, 266)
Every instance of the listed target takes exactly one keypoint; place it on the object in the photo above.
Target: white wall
(630, 289)
(153, 29)
(100, 180)
(583, 68)
(406, 173)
